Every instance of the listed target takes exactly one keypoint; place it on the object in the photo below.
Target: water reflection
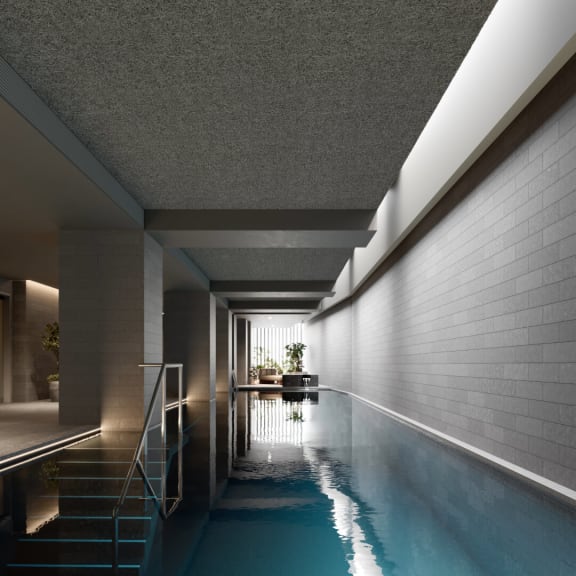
(407, 505)
(42, 504)
(440, 512)
(30, 497)
(346, 516)
(338, 488)
(276, 421)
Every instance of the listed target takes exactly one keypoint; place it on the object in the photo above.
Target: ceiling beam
(181, 273)
(264, 238)
(273, 306)
(268, 290)
(24, 100)
(261, 228)
(258, 219)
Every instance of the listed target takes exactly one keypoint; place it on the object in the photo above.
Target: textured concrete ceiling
(312, 104)
(270, 263)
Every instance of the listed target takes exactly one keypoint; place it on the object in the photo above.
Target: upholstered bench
(269, 376)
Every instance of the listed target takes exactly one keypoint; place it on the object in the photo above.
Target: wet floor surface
(28, 425)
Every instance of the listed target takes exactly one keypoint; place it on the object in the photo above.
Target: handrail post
(163, 446)
(180, 433)
(116, 550)
(136, 463)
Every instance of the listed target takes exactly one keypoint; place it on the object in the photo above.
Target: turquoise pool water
(337, 488)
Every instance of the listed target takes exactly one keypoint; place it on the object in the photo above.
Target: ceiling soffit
(207, 111)
(274, 105)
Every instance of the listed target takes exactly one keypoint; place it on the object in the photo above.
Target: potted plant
(253, 373)
(51, 343)
(294, 354)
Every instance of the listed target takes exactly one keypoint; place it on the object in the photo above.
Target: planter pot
(54, 390)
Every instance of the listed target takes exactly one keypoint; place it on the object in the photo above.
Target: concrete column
(242, 332)
(242, 350)
(110, 321)
(5, 349)
(223, 348)
(224, 410)
(190, 338)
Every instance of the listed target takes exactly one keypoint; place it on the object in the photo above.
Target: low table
(300, 380)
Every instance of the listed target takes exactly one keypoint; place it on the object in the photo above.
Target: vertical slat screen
(273, 341)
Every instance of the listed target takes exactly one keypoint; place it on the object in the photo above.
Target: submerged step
(76, 551)
(65, 569)
(102, 505)
(103, 485)
(96, 527)
(97, 468)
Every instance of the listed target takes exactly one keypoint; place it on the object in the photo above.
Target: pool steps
(85, 481)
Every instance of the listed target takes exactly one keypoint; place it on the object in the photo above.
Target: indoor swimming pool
(335, 488)
(328, 486)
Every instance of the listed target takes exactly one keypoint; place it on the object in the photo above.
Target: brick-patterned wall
(329, 349)
(111, 321)
(472, 328)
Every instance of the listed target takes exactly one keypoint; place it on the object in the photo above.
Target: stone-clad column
(190, 338)
(223, 392)
(111, 321)
(241, 353)
(242, 350)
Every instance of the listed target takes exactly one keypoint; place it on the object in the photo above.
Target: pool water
(338, 488)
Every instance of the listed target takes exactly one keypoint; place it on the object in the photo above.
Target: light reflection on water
(350, 491)
(346, 515)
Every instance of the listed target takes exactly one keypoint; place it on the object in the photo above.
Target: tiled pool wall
(471, 329)
(506, 527)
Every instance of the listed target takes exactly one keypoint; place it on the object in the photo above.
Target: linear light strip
(103, 517)
(90, 497)
(81, 540)
(29, 456)
(98, 566)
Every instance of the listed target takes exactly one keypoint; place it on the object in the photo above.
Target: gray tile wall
(473, 330)
(111, 321)
(190, 339)
(329, 354)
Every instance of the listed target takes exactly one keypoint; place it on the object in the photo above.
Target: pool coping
(542, 484)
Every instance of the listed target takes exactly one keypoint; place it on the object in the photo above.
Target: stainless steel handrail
(136, 463)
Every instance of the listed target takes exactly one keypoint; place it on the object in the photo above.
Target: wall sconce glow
(41, 287)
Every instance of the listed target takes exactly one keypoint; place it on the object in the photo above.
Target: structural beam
(25, 101)
(273, 306)
(261, 228)
(181, 273)
(246, 290)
